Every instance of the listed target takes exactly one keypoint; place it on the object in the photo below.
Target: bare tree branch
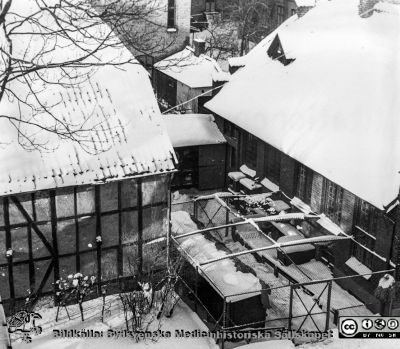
(60, 44)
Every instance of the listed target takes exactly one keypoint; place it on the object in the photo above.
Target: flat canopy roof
(226, 279)
(192, 129)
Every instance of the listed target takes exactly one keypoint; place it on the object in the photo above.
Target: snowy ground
(333, 343)
(182, 318)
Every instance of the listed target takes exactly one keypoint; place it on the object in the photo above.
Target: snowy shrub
(74, 288)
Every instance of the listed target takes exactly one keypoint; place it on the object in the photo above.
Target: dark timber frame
(35, 229)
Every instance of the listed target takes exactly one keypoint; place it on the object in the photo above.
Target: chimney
(199, 47)
(365, 8)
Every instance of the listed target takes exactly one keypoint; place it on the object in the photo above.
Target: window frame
(171, 14)
(280, 14)
(210, 6)
(333, 200)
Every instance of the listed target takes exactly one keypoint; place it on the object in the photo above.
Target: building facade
(200, 148)
(303, 142)
(160, 29)
(274, 12)
(185, 79)
(97, 202)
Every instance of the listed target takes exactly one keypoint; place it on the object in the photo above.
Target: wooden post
(169, 226)
(226, 221)
(290, 307)
(53, 217)
(119, 255)
(97, 205)
(223, 324)
(328, 305)
(336, 316)
(140, 225)
(5, 341)
(196, 280)
(6, 212)
(396, 242)
(77, 255)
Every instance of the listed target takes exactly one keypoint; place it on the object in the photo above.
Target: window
(230, 130)
(210, 5)
(364, 231)
(365, 217)
(232, 157)
(272, 163)
(304, 183)
(333, 201)
(171, 14)
(280, 12)
(250, 154)
(365, 244)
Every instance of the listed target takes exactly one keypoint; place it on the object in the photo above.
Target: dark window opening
(272, 163)
(304, 183)
(361, 253)
(230, 130)
(366, 217)
(210, 5)
(251, 151)
(171, 14)
(280, 14)
(333, 201)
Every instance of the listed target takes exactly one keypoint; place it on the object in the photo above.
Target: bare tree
(221, 37)
(58, 45)
(241, 22)
(255, 18)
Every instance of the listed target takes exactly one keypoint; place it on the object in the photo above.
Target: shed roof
(225, 277)
(335, 107)
(117, 105)
(186, 67)
(192, 129)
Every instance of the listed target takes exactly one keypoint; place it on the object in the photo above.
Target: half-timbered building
(98, 205)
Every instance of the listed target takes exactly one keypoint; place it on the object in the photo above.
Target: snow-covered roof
(261, 48)
(305, 3)
(192, 129)
(117, 106)
(237, 61)
(335, 108)
(224, 275)
(221, 76)
(189, 69)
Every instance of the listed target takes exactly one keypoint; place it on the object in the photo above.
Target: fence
(306, 296)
